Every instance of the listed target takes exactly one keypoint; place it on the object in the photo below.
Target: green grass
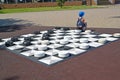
(19, 10)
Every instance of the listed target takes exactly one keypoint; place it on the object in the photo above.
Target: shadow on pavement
(12, 78)
(10, 25)
(116, 17)
(10, 28)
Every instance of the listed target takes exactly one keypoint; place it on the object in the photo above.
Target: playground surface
(98, 64)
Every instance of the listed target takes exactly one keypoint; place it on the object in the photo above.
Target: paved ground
(108, 17)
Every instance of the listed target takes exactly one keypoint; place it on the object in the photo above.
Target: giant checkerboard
(56, 45)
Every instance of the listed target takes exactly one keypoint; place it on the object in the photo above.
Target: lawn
(19, 10)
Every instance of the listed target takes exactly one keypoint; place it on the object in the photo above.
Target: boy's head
(81, 14)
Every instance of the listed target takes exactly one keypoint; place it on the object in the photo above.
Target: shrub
(61, 3)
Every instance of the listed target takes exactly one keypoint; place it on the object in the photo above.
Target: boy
(81, 24)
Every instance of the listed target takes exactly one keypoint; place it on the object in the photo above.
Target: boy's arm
(83, 20)
(77, 22)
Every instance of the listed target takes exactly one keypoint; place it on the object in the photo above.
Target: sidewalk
(108, 17)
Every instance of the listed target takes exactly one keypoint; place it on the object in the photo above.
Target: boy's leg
(85, 24)
(80, 28)
(84, 27)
